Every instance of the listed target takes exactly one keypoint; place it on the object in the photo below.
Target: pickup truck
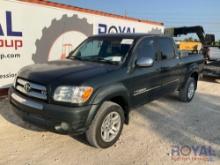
(93, 90)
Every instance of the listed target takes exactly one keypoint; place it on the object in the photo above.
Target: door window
(146, 49)
(167, 48)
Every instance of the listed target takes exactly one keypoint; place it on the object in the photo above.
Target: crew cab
(94, 89)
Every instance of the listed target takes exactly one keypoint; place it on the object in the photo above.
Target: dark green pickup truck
(94, 89)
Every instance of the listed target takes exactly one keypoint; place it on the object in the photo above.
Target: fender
(106, 93)
(193, 68)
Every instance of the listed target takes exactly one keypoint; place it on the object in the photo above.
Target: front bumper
(73, 119)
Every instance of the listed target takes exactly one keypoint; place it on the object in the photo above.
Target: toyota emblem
(27, 87)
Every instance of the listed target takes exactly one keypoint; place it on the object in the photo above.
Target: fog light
(62, 127)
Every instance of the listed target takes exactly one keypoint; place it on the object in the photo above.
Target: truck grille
(31, 89)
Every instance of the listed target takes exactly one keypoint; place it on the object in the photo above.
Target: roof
(96, 12)
(128, 35)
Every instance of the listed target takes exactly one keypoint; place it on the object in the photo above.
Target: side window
(146, 48)
(167, 48)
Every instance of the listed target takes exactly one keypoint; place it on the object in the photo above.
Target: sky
(170, 12)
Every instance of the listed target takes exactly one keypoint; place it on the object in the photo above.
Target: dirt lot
(148, 139)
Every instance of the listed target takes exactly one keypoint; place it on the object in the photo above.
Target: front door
(146, 80)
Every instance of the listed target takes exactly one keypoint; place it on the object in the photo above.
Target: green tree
(218, 42)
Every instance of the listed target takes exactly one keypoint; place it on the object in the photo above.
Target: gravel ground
(148, 139)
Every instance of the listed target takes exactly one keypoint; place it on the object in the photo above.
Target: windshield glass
(110, 50)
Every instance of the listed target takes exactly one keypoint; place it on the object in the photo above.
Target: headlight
(72, 94)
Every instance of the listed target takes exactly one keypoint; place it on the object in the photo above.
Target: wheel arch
(116, 93)
(195, 75)
(193, 71)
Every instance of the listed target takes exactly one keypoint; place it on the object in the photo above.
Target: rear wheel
(187, 93)
(107, 125)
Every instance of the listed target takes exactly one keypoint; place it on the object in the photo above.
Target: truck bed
(189, 58)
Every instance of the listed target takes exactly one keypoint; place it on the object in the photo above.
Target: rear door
(146, 80)
(170, 66)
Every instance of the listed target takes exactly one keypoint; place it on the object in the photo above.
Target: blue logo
(9, 31)
(194, 152)
(9, 27)
(105, 29)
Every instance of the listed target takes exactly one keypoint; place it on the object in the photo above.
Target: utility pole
(125, 13)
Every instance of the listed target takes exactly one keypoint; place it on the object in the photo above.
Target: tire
(187, 93)
(57, 28)
(95, 135)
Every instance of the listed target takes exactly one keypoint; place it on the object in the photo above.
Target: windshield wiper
(94, 59)
(100, 59)
(75, 58)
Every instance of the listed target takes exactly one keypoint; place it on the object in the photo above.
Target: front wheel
(107, 125)
(187, 93)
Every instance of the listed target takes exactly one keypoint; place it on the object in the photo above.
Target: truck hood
(55, 71)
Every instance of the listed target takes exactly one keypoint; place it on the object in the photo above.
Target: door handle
(180, 63)
(158, 70)
(165, 68)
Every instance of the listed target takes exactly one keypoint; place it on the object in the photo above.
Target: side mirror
(145, 62)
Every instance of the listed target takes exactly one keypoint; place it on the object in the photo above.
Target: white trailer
(36, 31)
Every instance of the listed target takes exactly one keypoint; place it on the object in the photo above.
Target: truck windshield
(107, 50)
